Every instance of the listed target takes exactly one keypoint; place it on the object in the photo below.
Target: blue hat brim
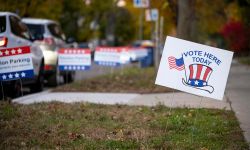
(207, 88)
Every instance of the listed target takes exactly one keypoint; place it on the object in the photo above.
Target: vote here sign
(74, 59)
(15, 63)
(194, 68)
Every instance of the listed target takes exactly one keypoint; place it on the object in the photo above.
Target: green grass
(244, 60)
(90, 126)
(132, 80)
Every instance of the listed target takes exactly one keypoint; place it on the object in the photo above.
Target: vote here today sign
(194, 68)
(15, 63)
(74, 59)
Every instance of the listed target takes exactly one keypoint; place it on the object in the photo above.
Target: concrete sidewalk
(238, 91)
(168, 99)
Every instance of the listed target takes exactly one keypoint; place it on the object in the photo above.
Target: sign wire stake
(67, 76)
(2, 90)
(21, 84)
(195, 119)
(171, 102)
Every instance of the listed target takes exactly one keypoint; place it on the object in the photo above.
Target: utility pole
(141, 4)
(156, 53)
(140, 33)
(161, 32)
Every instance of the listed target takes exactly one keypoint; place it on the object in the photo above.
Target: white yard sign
(194, 68)
(111, 56)
(74, 59)
(137, 53)
(116, 56)
(15, 63)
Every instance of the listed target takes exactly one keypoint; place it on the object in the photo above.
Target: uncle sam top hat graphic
(198, 77)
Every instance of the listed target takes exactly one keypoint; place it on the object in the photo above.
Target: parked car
(14, 33)
(51, 38)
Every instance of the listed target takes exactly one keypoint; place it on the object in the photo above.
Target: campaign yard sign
(137, 53)
(15, 63)
(74, 59)
(111, 56)
(194, 68)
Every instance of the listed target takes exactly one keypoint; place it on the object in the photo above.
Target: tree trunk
(186, 20)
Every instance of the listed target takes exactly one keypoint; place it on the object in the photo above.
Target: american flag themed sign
(137, 53)
(16, 63)
(175, 63)
(74, 59)
(194, 68)
(111, 56)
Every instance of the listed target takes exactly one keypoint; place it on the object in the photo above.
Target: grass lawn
(130, 80)
(90, 126)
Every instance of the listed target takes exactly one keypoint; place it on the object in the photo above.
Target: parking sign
(74, 59)
(151, 14)
(16, 63)
(141, 3)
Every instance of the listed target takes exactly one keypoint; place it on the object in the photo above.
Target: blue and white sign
(141, 3)
(137, 53)
(194, 68)
(15, 63)
(74, 59)
(151, 14)
(109, 56)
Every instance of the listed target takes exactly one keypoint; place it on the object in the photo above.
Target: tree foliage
(186, 21)
(197, 20)
(211, 17)
(77, 17)
(236, 30)
(50, 9)
(149, 27)
(236, 34)
(206, 20)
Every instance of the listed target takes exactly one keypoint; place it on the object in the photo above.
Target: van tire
(39, 83)
(54, 79)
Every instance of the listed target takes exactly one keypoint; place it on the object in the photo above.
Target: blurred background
(220, 23)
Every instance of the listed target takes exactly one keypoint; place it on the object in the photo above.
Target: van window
(36, 30)
(2, 24)
(56, 31)
(18, 28)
